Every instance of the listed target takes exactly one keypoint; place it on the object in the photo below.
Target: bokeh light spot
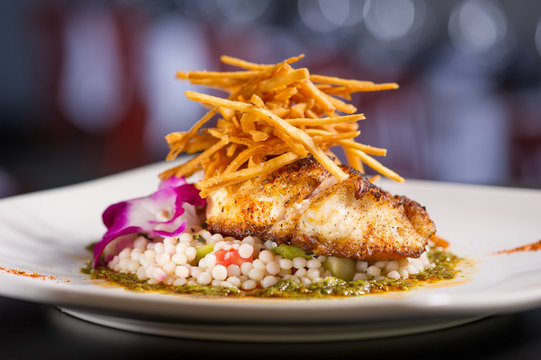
(389, 20)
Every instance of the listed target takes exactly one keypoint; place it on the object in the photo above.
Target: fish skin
(300, 204)
(254, 206)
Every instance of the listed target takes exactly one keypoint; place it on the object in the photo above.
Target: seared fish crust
(301, 204)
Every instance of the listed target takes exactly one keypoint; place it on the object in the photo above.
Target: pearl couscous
(210, 259)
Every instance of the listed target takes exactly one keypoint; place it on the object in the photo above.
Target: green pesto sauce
(445, 269)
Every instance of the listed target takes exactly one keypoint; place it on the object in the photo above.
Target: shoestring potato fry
(274, 115)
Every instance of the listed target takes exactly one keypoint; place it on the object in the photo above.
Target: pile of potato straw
(273, 116)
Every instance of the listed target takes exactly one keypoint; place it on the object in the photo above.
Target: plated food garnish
(274, 213)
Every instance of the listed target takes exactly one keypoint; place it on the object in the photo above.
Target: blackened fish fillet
(301, 204)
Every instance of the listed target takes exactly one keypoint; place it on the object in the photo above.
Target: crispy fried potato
(274, 115)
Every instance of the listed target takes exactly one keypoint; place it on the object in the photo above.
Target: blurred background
(88, 87)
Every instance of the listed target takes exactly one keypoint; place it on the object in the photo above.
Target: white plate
(46, 233)
(287, 332)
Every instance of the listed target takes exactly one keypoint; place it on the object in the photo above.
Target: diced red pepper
(231, 256)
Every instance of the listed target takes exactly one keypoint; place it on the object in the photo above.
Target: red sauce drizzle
(30, 275)
(530, 247)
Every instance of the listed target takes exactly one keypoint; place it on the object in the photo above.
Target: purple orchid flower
(167, 212)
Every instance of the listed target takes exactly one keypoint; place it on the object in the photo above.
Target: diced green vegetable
(341, 268)
(203, 250)
(290, 252)
(199, 237)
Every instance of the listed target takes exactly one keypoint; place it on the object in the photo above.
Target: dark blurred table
(34, 331)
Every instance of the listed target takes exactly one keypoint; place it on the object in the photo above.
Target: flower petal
(175, 200)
